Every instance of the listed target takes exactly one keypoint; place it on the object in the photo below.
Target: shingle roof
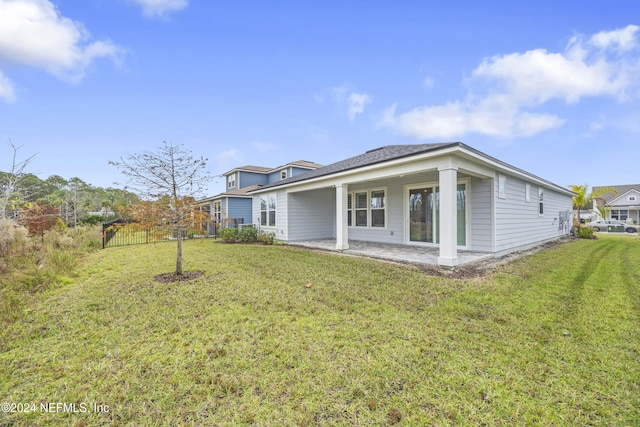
(262, 169)
(371, 157)
(393, 152)
(250, 168)
(241, 192)
(622, 189)
(302, 164)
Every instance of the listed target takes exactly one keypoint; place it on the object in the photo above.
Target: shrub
(266, 237)
(13, 237)
(249, 234)
(31, 265)
(585, 232)
(229, 235)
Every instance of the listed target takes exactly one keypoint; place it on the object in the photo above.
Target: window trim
(435, 186)
(631, 199)
(352, 209)
(616, 214)
(283, 174)
(540, 201)
(268, 210)
(217, 211)
(502, 186)
(231, 180)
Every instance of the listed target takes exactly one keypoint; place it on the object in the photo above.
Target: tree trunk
(179, 257)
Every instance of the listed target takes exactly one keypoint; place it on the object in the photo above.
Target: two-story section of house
(233, 206)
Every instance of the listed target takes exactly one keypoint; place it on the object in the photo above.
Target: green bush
(249, 234)
(266, 237)
(229, 235)
(585, 232)
(95, 219)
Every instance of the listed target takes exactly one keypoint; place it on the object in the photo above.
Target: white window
(527, 192)
(502, 186)
(283, 174)
(268, 210)
(361, 209)
(231, 181)
(632, 198)
(620, 214)
(377, 208)
(540, 201)
(367, 208)
(217, 211)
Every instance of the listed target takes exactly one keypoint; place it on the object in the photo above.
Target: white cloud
(160, 8)
(454, 119)
(624, 39)
(357, 102)
(595, 127)
(510, 85)
(6, 88)
(353, 102)
(428, 82)
(228, 159)
(32, 33)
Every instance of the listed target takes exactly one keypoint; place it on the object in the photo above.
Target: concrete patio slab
(393, 252)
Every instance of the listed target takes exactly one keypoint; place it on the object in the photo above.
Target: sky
(551, 87)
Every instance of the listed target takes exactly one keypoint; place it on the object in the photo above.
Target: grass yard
(274, 335)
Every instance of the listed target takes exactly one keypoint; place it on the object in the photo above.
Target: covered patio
(393, 252)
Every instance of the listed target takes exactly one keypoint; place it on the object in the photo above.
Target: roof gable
(248, 168)
(305, 164)
(371, 157)
(621, 189)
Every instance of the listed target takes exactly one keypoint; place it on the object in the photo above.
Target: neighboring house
(625, 206)
(447, 195)
(233, 207)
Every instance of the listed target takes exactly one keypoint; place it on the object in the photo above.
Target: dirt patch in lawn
(173, 277)
(481, 268)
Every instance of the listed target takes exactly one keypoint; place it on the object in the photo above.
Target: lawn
(275, 335)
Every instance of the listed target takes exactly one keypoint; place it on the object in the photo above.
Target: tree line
(73, 200)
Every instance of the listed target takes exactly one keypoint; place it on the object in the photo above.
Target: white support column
(342, 228)
(448, 176)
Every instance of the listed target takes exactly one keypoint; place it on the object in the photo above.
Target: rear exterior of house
(624, 206)
(233, 207)
(448, 196)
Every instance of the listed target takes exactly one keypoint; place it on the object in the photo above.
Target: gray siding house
(624, 206)
(234, 206)
(447, 196)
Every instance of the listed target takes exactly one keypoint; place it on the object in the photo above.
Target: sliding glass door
(424, 214)
(421, 215)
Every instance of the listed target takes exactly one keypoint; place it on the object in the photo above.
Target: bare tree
(171, 178)
(9, 181)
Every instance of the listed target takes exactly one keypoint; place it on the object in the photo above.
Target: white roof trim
(457, 149)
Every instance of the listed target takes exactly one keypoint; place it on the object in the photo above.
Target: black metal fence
(120, 233)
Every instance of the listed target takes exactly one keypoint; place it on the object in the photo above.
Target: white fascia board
(367, 173)
(401, 166)
(476, 164)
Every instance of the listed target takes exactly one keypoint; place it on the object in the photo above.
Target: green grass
(274, 335)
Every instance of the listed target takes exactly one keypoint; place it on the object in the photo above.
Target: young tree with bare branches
(9, 181)
(171, 178)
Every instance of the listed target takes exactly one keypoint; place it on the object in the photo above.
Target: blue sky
(549, 87)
